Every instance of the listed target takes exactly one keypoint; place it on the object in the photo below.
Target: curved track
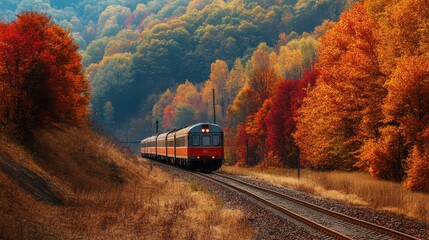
(336, 225)
(331, 224)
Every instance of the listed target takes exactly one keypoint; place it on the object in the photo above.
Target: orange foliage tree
(262, 84)
(41, 79)
(339, 113)
(370, 105)
(159, 108)
(256, 129)
(186, 104)
(384, 157)
(401, 151)
(407, 106)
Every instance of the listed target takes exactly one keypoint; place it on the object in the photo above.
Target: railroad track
(330, 223)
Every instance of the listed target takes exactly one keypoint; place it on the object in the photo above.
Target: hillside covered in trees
(321, 83)
(134, 50)
(355, 98)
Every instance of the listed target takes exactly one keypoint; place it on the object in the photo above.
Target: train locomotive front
(198, 147)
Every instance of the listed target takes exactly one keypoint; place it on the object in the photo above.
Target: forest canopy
(133, 49)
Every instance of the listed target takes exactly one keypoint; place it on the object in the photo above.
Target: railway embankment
(72, 183)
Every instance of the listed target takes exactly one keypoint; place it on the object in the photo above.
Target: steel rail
(362, 223)
(330, 232)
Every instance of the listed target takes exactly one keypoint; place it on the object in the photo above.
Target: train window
(195, 140)
(180, 142)
(216, 140)
(205, 140)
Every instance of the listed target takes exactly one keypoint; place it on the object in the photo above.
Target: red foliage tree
(40, 75)
(241, 143)
(281, 119)
(280, 124)
(168, 118)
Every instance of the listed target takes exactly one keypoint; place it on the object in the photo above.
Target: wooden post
(247, 153)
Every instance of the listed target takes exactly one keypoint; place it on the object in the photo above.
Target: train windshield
(205, 140)
(195, 140)
(216, 140)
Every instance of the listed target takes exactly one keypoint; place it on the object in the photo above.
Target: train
(196, 147)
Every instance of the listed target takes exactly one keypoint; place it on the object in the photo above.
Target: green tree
(111, 80)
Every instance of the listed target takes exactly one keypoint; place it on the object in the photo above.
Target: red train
(198, 147)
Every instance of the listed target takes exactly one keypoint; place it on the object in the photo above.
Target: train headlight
(205, 128)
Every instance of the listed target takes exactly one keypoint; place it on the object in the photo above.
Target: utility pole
(156, 133)
(156, 127)
(214, 107)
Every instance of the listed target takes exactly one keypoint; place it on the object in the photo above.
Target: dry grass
(163, 208)
(355, 188)
(108, 194)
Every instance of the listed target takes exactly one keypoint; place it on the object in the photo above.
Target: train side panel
(182, 152)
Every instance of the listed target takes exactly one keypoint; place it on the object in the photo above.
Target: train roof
(151, 138)
(197, 128)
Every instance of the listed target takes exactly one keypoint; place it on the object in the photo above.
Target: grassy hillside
(73, 183)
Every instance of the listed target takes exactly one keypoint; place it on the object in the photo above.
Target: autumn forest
(321, 84)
